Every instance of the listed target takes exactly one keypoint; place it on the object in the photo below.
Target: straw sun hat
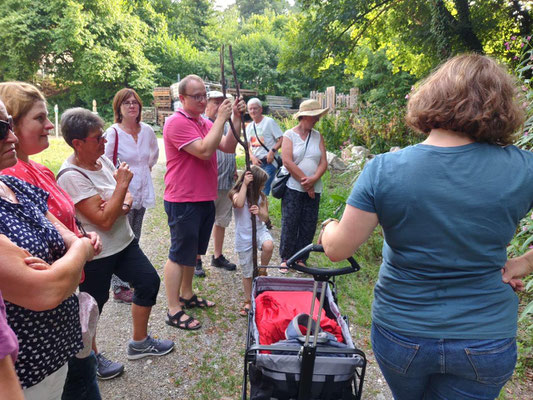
(310, 108)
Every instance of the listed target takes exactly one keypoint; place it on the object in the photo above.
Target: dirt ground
(206, 364)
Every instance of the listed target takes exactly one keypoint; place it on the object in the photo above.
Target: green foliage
(416, 35)
(247, 8)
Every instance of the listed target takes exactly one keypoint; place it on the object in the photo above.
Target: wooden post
(330, 98)
(56, 112)
(94, 107)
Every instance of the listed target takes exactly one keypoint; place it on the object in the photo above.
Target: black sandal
(174, 320)
(194, 302)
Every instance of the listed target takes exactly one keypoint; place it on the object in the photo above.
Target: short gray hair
(182, 86)
(77, 123)
(254, 100)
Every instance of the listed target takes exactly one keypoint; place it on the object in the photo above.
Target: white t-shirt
(141, 156)
(102, 183)
(310, 161)
(243, 227)
(268, 131)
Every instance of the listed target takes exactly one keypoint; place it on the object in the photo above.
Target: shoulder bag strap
(115, 149)
(259, 140)
(305, 150)
(78, 222)
(72, 169)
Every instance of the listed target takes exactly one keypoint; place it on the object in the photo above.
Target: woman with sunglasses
(135, 143)
(40, 304)
(102, 201)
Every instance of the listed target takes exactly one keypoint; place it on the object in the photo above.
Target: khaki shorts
(245, 257)
(223, 209)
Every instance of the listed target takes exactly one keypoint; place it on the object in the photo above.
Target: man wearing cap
(227, 170)
(190, 191)
(263, 133)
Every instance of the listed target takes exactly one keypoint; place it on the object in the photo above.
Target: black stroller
(307, 368)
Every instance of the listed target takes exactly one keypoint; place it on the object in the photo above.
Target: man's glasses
(5, 127)
(197, 97)
(130, 103)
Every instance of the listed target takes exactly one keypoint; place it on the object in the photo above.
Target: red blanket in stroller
(275, 310)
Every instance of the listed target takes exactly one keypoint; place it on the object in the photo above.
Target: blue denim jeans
(81, 379)
(445, 369)
(270, 169)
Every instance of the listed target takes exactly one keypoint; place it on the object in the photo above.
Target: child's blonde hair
(260, 178)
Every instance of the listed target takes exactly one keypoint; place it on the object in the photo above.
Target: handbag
(277, 157)
(279, 184)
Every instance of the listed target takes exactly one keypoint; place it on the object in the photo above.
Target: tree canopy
(84, 49)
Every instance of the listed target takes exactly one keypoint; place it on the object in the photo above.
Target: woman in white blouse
(137, 146)
(304, 156)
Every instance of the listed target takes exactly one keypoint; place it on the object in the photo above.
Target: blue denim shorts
(425, 368)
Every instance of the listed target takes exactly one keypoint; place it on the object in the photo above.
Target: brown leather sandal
(245, 309)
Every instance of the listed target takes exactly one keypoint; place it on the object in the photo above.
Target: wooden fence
(335, 101)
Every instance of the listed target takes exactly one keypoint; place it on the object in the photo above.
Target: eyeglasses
(5, 127)
(99, 139)
(130, 103)
(197, 97)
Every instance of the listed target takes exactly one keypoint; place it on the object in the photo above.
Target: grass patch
(54, 155)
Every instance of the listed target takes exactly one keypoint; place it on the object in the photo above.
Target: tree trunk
(464, 27)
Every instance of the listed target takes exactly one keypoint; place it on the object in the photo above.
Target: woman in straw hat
(304, 156)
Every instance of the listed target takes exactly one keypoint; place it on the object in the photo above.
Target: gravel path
(206, 364)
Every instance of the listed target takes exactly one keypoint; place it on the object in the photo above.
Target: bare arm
(228, 142)
(9, 383)
(239, 198)
(272, 152)
(41, 290)
(516, 268)
(215, 139)
(342, 239)
(105, 217)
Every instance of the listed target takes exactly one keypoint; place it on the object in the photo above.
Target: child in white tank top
(243, 226)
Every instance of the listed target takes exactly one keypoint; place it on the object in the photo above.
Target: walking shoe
(123, 295)
(198, 270)
(222, 262)
(150, 347)
(107, 369)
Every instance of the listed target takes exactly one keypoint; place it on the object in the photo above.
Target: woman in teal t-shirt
(444, 322)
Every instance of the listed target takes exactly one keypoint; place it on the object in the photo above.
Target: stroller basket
(274, 370)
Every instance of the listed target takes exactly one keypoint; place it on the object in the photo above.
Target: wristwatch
(328, 221)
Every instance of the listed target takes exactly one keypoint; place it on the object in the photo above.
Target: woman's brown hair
(120, 98)
(19, 98)
(260, 178)
(471, 94)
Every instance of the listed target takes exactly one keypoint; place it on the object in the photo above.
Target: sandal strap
(177, 317)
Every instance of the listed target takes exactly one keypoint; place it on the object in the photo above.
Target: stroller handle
(319, 272)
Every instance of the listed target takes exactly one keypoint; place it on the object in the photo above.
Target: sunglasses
(5, 127)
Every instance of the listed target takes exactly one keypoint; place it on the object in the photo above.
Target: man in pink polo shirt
(190, 190)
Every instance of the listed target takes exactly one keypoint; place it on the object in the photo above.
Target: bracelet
(126, 204)
(328, 221)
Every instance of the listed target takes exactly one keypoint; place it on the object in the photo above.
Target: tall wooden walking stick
(244, 143)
